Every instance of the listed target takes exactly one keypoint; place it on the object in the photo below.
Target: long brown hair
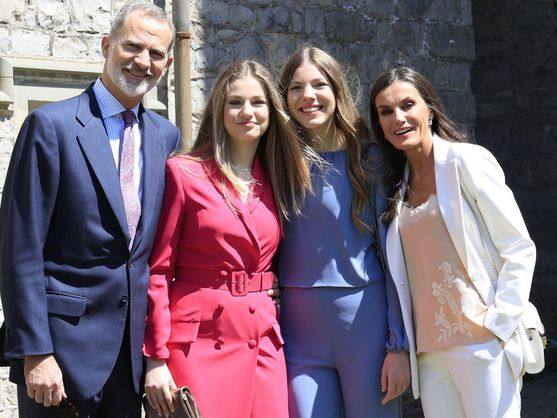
(347, 121)
(442, 124)
(280, 149)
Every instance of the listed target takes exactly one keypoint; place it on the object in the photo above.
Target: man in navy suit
(79, 212)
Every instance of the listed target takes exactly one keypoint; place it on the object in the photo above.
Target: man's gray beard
(131, 88)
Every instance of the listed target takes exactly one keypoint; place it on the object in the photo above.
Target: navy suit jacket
(67, 277)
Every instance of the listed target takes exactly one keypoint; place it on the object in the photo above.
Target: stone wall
(367, 36)
(515, 83)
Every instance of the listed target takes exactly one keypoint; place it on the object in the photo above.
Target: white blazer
(489, 235)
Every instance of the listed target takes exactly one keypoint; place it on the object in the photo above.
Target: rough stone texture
(514, 80)
(366, 35)
(11, 10)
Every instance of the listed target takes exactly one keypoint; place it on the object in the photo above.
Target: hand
(275, 295)
(395, 376)
(159, 385)
(43, 379)
(274, 292)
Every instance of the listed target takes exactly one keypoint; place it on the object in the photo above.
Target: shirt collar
(109, 105)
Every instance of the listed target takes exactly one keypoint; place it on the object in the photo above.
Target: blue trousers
(335, 347)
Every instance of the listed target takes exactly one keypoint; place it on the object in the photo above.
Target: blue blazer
(67, 277)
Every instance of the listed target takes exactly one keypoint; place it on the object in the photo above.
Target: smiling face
(136, 57)
(246, 112)
(311, 100)
(404, 116)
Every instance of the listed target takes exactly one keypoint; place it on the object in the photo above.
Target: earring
(430, 122)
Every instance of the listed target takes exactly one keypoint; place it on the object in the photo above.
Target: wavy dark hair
(442, 124)
(347, 120)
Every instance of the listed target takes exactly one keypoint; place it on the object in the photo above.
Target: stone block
(324, 4)
(277, 49)
(91, 17)
(538, 98)
(451, 11)
(273, 19)
(30, 43)
(8, 395)
(11, 10)
(247, 48)
(407, 36)
(460, 105)
(201, 89)
(314, 21)
(375, 8)
(94, 50)
(297, 24)
(225, 16)
(349, 26)
(450, 41)
(258, 3)
(68, 47)
(534, 137)
(226, 34)
(414, 8)
(5, 41)
(53, 14)
(209, 61)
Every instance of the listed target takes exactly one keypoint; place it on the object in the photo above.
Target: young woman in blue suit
(341, 320)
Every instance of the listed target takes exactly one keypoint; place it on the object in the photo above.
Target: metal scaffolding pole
(182, 72)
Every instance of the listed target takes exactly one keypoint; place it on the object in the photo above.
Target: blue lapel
(96, 148)
(154, 157)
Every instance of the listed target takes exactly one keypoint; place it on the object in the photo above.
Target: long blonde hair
(284, 155)
(347, 120)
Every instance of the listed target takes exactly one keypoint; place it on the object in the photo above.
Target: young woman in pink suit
(458, 251)
(211, 325)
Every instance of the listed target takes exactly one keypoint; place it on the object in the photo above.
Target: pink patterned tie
(129, 191)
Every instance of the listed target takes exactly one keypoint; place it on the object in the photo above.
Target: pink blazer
(199, 231)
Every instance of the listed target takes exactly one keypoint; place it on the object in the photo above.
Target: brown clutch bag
(184, 404)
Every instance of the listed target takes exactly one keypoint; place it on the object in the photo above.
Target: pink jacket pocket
(183, 332)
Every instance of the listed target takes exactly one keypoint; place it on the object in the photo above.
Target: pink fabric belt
(239, 283)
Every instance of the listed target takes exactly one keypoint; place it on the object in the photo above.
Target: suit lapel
(448, 196)
(240, 209)
(94, 143)
(154, 157)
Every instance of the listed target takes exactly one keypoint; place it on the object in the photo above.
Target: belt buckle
(239, 283)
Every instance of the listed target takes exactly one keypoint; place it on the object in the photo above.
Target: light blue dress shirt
(113, 120)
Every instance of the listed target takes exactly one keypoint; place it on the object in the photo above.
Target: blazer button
(129, 263)
(252, 344)
(124, 300)
(252, 308)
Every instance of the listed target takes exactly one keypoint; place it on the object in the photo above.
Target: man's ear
(169, 62)
(105, 44)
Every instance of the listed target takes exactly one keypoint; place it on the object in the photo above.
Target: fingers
(57, 397)
(46, 394)
(154, 400)
(394, 390)
(384, 378)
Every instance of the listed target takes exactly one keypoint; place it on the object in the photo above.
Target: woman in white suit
(458, 251)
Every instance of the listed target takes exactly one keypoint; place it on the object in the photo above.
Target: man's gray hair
(149, 9)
